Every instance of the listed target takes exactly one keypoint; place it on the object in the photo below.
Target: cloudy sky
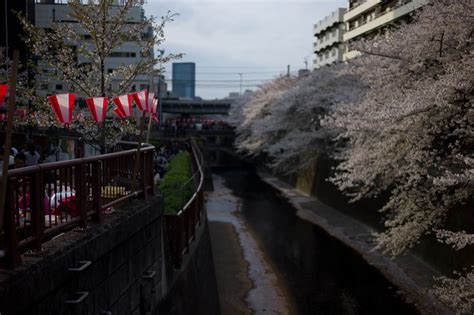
(257, 38)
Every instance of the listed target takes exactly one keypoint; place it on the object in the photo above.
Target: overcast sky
(227, 37)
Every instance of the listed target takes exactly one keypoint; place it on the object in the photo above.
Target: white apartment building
(328, 44)
(366, 17)
(49, 11)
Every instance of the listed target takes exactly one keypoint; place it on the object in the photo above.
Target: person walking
(32, 156)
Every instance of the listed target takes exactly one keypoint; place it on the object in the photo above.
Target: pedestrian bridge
(194, 107)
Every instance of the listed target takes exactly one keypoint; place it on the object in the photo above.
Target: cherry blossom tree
(78, 52)
(282, 119)
(412, 134)
(246, 113)
(402, 122)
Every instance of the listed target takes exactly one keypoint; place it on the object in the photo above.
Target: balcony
(321, 45)
(359, 9)
(335, 17)
(383, 18)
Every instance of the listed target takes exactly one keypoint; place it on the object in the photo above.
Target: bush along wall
(178, 186)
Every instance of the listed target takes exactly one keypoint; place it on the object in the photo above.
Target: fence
(48, 199)
(181, 227)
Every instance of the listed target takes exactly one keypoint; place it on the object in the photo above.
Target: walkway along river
(270, 261)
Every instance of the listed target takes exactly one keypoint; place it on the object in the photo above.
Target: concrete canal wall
(114, 268)
(313, 182)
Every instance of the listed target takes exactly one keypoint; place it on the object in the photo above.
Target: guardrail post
(96, 192)
(13, 258)
(36, 207)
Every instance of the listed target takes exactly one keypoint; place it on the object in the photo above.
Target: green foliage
(178, 186)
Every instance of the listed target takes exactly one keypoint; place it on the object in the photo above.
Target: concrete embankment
(410, 274)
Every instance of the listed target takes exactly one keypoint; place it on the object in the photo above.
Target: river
(270, 261)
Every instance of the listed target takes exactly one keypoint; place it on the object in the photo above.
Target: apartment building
(328, 39)
(48, 12)
(368, 17)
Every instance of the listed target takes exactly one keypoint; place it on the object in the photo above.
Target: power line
(229, 73)
(191, 81)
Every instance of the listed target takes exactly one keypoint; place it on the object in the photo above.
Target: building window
(59, 86)
(44, 86)
(117, 54)
(144, 86)
(110, 70)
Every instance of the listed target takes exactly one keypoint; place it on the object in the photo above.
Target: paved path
(231, 269)
(247, 282)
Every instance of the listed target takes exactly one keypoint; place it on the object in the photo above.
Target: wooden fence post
(36, 208)
(81, 193)
(97, 191)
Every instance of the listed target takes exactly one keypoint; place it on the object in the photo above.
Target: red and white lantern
(124, 104)
(97, 106)
(154, 106)
(151, 97)
(141, 99)
(3, 92)
(154, 109)
(63, 105)
(119, 113)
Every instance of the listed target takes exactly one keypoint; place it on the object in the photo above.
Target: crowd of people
(30, 155)
(27, 156)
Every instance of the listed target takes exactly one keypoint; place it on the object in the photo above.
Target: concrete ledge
(409, 273)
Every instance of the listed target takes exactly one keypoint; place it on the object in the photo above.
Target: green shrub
(177, 187)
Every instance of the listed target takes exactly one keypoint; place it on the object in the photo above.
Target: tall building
(48, 12)
(328, 39)
(184, 79)
(11, 34)
(367, 17)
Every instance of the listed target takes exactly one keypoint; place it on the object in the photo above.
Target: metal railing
(181, 227)
(48, 199)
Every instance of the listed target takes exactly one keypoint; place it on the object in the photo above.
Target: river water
(293, 267)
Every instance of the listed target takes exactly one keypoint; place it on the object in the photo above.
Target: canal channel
(270, 261)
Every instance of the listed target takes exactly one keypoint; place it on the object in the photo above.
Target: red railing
(48, 199)
(181, 227)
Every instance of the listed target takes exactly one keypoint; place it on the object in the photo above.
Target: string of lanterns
(63, 105)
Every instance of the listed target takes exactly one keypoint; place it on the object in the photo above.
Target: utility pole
(8, 134)
(6, 32)
(306, 62)
(288, 71)
(240, 74)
